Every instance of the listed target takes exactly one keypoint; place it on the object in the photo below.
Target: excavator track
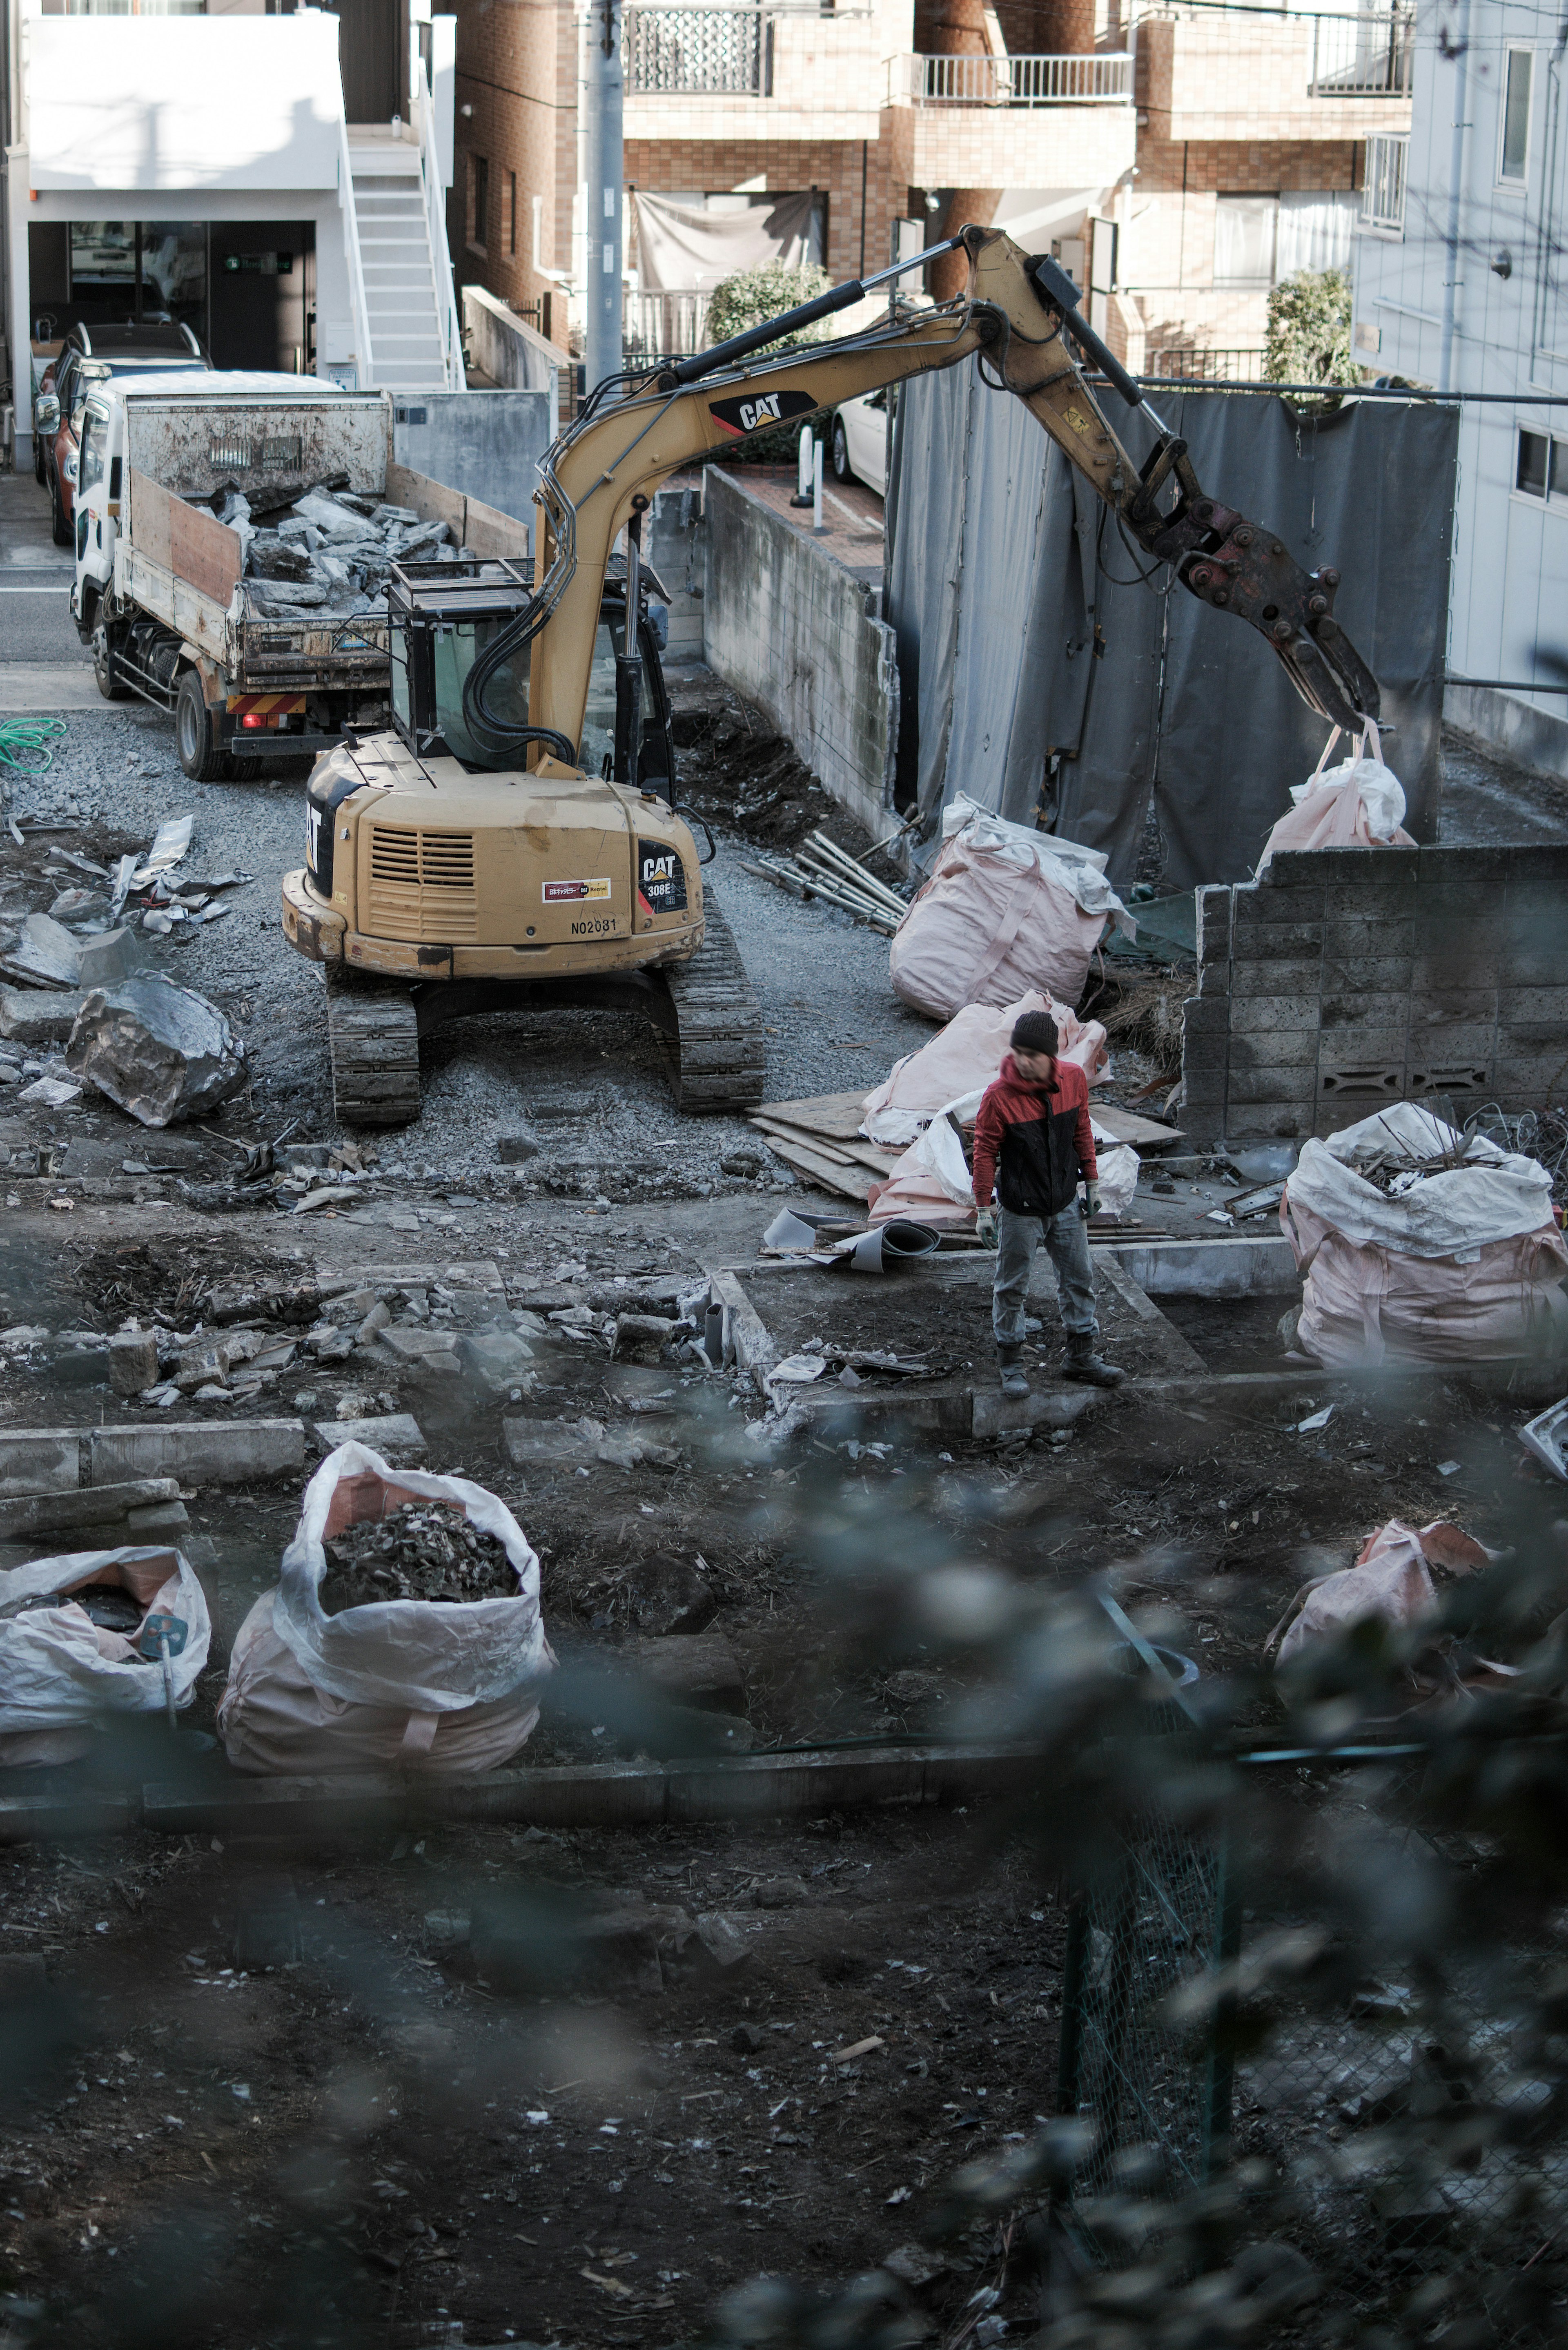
(720, 1062)
(373, 1037)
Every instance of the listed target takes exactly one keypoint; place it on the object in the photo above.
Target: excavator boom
(1019, 314)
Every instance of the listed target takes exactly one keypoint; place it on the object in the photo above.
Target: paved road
(42, 666)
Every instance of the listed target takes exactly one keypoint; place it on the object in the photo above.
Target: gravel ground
(834, 1022)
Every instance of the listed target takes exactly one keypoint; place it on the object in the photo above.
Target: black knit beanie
(1035, 1032)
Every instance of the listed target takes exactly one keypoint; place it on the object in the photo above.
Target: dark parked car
(90, 355)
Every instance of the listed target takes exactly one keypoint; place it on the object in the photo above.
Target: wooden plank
(203, 552)
(775, 1129)
(833, 1177)
(1143, 1133)
(147, 523)
(473, 525)
(836, 1116)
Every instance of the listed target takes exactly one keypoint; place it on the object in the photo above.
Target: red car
(90, 355)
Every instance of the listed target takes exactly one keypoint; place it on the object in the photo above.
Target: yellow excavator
(516, 840)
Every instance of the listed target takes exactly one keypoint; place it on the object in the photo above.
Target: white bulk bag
(1360, 804)
(450, 1688)
(1465, 1265)
(1005, 909)
(61, 1674)
(965, 1057)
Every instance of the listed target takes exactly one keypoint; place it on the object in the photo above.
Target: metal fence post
(1070, 2044)
(1219, 2072)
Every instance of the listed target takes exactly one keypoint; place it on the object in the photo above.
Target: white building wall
(1471, 294)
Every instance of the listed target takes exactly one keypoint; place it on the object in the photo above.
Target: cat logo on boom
(738, 416)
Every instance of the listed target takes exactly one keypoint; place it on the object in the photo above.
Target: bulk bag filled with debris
(1417, 1245)
(965, 1057)
(1360, 804)
(1389, 1580)
(336, 1670)
(1005, 909)
(82, 1637)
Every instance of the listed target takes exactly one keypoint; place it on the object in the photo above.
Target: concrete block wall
(794, 631)
(1346, 979)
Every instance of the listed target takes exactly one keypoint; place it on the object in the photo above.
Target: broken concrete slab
(33, 1016)
(87, 1505)
(480, 1273)
(993, 1414)
(162, 1051)
(433, 1354)
(1251, 1267)
(44, 953)
(395, 1435)
(198, 1453)
(497, 1357)
(40, 1460)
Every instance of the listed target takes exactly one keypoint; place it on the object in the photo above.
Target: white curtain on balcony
(1315, 229)
(681, 245)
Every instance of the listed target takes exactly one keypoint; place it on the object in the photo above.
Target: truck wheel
(194, 733)
(59, 528)
(373, 1036)
(104, 678)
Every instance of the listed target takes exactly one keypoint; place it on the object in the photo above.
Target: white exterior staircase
(410, 308)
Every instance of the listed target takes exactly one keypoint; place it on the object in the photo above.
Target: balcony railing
(1363, 57)
(699, 52)
(664, 326)
(1232, 363)
(1013, 81)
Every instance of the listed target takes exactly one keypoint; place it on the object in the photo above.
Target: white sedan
(858, 441)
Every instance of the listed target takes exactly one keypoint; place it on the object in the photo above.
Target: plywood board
(849, 1182)
(837, 1115)
(1143, 1133)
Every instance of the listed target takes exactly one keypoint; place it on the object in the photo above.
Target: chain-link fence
(1416, 2113)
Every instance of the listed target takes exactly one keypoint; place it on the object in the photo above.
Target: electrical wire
(24, 743)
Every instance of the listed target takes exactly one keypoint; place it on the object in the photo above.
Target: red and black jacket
(1034, 1141)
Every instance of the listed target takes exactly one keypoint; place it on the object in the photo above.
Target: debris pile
(425, 1549)
(327, 551)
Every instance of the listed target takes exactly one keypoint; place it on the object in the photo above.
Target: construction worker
(1033, 1138)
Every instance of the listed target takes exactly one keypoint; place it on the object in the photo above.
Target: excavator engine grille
(422, 886)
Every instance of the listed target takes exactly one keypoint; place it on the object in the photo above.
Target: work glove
(1091, 1203)
(985, 1228)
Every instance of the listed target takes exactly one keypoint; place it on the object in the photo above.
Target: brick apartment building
(1176, 163)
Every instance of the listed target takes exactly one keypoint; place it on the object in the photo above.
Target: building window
(1513, 143)
(478, 202)
(1540, 468)
(1244, 230)
(1383, 197)
(512, 216)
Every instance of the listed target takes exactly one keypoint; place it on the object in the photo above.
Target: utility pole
(607, 84)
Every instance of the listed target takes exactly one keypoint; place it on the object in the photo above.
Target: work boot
(1083, 1364)
(1015, 1377)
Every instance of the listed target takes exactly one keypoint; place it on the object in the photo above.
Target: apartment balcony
(1011, 121)
(1251, 77)
(733, 71)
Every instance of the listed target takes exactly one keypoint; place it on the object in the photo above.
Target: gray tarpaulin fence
(1015, 645)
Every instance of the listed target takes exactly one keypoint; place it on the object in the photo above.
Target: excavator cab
(443, 616)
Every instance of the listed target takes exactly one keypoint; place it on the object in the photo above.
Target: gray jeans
(1067, 1242)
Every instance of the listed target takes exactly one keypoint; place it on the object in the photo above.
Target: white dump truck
(233, 537)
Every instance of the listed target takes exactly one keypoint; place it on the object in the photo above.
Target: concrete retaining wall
(508, 351)
(1346, 979)
(792, 629)
(487, 445)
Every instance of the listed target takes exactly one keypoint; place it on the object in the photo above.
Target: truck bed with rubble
(249, 535)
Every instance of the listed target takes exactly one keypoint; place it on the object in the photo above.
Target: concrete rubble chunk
(429, 1351)
(112, 956)
(395, 1436)
(43, 955)
(497, 1357)
(161, 1050)
(85, 1505)
(132, 1362)
(260, 1301)
(199, 1452)
(31, 1017)
(640, 1337)
(727, 1939)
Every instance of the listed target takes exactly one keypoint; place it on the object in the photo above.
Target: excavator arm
(1019, 315)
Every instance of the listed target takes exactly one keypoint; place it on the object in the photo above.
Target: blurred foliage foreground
(1312, 2084)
